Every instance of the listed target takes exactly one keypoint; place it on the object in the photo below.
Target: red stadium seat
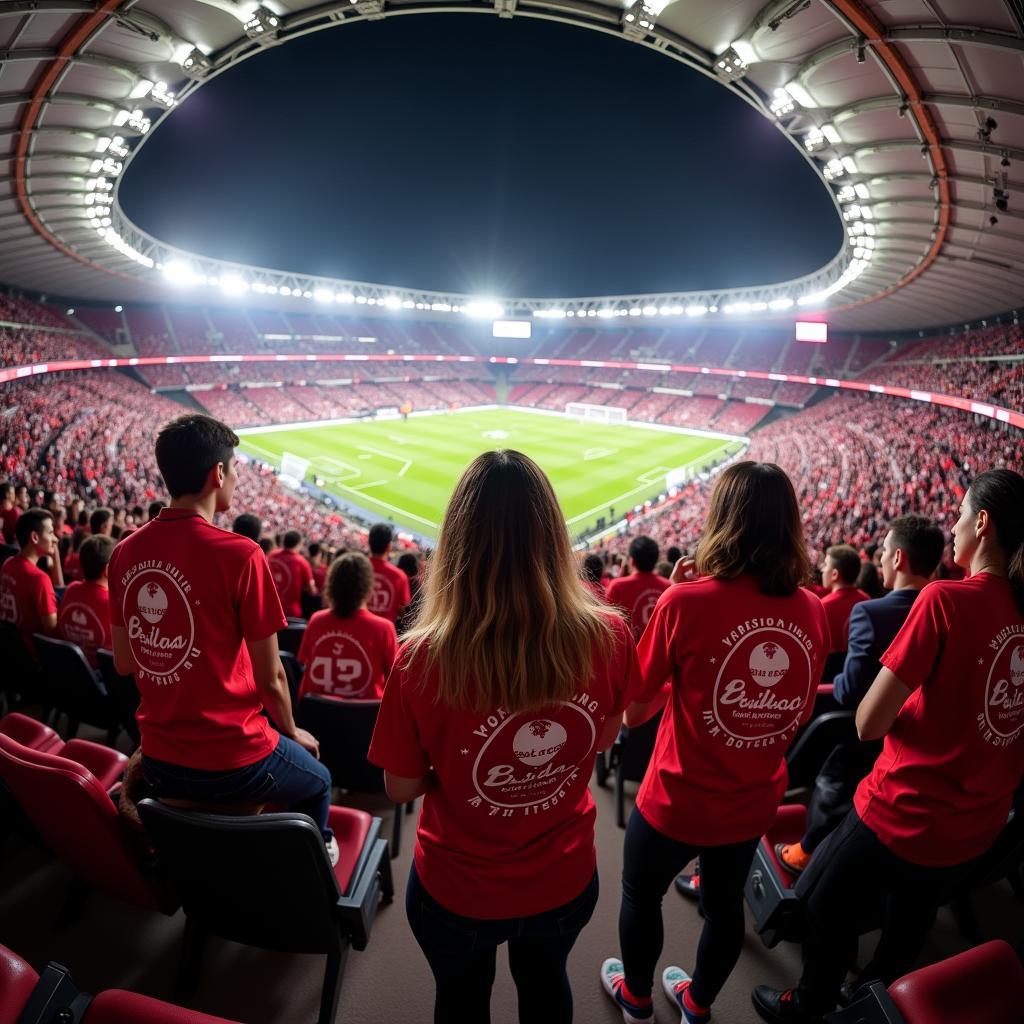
(769, 888)
(116, 1006)
(17, 980)
(70, 806)
(30, 733)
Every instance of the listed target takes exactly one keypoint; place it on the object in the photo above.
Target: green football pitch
(406, 470)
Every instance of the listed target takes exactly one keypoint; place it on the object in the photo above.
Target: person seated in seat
(638, 592)
(742, 647)
(346, 650)
(85, 608)
(911, 552)
(293, 575)
(27, 597)
(511, 681)
(949, 702)
(194, 616)
(839, 574)
(391, 592)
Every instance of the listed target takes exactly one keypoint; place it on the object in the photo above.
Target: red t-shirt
(940, 791)
(26, 597)
(319, 577)
(838, 606)
(291, 573)
(349, 657)
(84, 618)
(10, 520)
(72, 567)
(637, 594)
(190, 595)
(390, 592)
(508, 830)
(744, 668)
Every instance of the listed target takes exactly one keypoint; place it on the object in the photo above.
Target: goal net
(596, 413)
(293, 469)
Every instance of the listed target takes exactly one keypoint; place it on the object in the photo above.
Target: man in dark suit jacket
(911, 553)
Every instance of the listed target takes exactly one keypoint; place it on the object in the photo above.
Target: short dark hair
(94, 554)
(292, 539)
(408, 563)
(6, 489)
(754, 527)
(644, 552)
(846, 560)
(921, 539)
(187, 449)
(247, 525)
(99, 518)
(673, 554)
(349, 582)
(29, 522)
(153, 509)
(380, 537)
(1000, 492)
(593, 568)
(314, 548)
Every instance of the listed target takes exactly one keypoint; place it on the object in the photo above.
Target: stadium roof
(912, 112)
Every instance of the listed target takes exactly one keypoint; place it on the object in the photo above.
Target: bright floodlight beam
(262, 24)
(486, 309)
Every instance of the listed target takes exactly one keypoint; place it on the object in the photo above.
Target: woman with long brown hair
(510, 681)
(743, 647)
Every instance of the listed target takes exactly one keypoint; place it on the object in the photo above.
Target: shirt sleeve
(396, 745)
(390, 649)
(114, 587)
(47, 597)
(306, 647)
(913, 655)
(257, 600)
(628, 674)
(656, 650)
(306, 572)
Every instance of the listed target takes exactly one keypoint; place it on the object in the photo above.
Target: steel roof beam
(838, 115)
(14, 7)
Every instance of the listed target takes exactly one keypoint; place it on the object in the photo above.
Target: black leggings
(651, 861)
(853, 883)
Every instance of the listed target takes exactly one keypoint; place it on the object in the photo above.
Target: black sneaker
(780, 1006)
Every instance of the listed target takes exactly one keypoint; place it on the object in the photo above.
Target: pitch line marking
(387, 455)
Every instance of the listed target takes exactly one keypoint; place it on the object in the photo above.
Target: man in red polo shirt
(85, 609)
(638, 593)
(390, 592)
(293, 575)
(839, 573)
(194, 615)
(27, 598)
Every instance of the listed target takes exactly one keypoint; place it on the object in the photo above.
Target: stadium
(883, 381)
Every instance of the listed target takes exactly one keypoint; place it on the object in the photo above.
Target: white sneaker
(333, 852)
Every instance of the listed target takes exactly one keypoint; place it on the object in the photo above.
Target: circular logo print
(529, 758)
(1004, 695)
(643, 609)
(281, 574)
(161, 629)
(763, 685)
(381, 596)
(768, 663)
(340, 666)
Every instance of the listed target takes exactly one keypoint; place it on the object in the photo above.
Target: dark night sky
(473, 154)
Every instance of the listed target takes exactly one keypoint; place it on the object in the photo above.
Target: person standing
(391, 591)
(742, 647)
(512, 679)
(949, 702)
(638, 593)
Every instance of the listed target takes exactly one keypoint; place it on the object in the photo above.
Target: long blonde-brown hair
(505, 620)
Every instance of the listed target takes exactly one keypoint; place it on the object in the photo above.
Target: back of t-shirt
(84, 618)
(637, 595)
(290, 572)
(347, 658)
(743, 668)
(941, 789)
(189, 594)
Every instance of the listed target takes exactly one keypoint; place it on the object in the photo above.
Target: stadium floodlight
(605, 313)
(345, 297)
(108, 165)
(485, 308)
(850, 164)
(103, 143)
(233, 284)
(847, 194)
(141, 89)
(262, 24)
(181, 273)
(834, 169)
(777, 304)
(866, 212)
(196, 64)
(118, 147)
(99, 184)
(134, 119)
(830, 133)
(781, 103)
(861, 190)
(731, 64)
(323, 295)
(163, 95)
(736, 307)
(696, 310)
(638, 17)
(800, 94)
(391, 302)
(814, 139)
(650, 311)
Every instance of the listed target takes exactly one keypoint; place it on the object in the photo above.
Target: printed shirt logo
(528, 762)
(643, 608)
(8, 605)
(281, 573)
(340, 666)
(762, 689)
(161, 627)
(82, 625)
(382, 596)
(1003, 717)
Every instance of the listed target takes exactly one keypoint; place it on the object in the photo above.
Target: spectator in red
(839, 573)
(346, 650)
(743, 647)
(391, 591)
(511, 681)
(9, 511)
(73, 563)
(318, 561)
(592, 571)
(638, 593)
(195, 616)
(292, 574)
(247, 525)
(948, 703)
(101, 522)
(27, 597)
(85, 608)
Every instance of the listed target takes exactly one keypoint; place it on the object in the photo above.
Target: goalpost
(293, 469)
(596, 413)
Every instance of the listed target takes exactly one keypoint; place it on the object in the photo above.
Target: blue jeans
(290, 775)
(461, 952)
